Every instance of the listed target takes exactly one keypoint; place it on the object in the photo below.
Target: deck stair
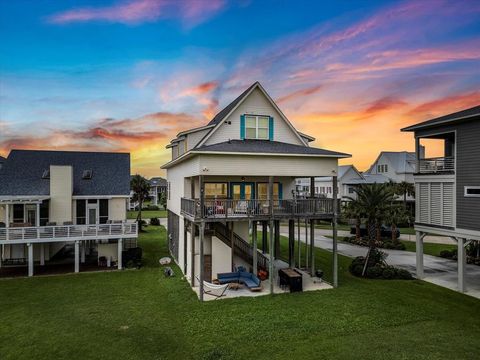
(243, 248)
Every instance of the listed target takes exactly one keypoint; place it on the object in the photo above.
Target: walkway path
(438, 270)
(429, 238)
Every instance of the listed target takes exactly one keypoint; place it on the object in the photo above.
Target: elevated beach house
(236, 175)
(54, 201)
(447, 187)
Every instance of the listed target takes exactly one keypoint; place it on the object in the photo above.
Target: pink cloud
(132, 12)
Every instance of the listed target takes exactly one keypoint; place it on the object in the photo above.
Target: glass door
(92, 214)
(242, 191)
(31, 214)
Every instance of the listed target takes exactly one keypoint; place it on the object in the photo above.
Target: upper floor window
(257, 127)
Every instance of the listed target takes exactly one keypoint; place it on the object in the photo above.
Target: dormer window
(87, 174)
(257, 127)
(46, 174)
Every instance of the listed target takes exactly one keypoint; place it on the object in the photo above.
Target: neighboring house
(394, 166)
(448, 187)
(240, 169)
(158, 186)
(50, 200)
(348, 178)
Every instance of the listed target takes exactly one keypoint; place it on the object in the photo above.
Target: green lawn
(429, 248)
(140, 314)
(147, 214)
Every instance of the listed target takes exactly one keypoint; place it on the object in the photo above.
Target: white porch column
(120, 249)
(82, 252)
(77, 256)
(42, 254)
(419, 251)
(462, 259)
(30, 259)
(37, 218)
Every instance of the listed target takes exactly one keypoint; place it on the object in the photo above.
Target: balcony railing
(227, 208)
(68, 232)
(436, 165)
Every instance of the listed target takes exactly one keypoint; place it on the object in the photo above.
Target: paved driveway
(438, 270)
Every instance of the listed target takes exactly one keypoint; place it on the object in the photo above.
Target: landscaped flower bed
(384, 243)
(377, 268)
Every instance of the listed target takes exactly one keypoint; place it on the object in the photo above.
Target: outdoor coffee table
(234, 286)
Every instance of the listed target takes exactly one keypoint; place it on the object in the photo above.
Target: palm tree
(405, 189)
(140, 187)
(395, 215)
(352, 210)
(373, 201)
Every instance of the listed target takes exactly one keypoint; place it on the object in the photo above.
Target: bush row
(378, 270)
(384, 243)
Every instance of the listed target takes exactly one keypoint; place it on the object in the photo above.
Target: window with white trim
(472, 191)
(256, 127)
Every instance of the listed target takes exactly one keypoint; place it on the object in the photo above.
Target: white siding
(194, 138)
(243, 165)
(256, 104)
(176, 180)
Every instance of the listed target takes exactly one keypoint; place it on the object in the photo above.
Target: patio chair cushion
(246, 278)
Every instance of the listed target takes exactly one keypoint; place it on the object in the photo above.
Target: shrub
(374, 272)
(154, 221)
(152, 207)
(448, 254)
(403, 274)
(388, 273)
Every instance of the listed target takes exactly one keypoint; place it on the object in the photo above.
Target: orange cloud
(201, 89)
(299, 94)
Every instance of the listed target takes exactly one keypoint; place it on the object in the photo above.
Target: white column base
(419, 252)
(119, 255)
(30, 259)
(462, 259)
(77, 256)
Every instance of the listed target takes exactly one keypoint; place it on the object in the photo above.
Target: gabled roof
(401, 161)
(157, 181)
(442, 120)
(266, 147)
(227, 109)
(2, 159)
(217, 120)
(23, 169)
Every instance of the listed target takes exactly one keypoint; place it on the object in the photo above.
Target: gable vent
(87, 174)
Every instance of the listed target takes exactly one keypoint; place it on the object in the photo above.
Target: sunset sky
(128, 75)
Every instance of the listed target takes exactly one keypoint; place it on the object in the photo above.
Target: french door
(242, 191)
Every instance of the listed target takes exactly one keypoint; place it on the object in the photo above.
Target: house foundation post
(334, 230)
(271, 245)
(291, 243)
(42, 254)
(119, 254)
(299, 247)
(193, 229)
(419, 254)
(232, 244)
(82, 252)
(462, 259)
(254, 251)
(202, 235)
(264, 236)
(312, 247)
(77, 256)
(30, 259)
(277, 238)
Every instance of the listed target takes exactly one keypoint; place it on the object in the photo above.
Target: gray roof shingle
(269, 147)
(23, 169)
(467, 113)
(157, 181)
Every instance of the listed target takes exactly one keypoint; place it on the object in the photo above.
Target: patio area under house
(231, 191)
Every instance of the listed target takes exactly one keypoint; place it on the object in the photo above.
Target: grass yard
(147, 214)
(139, 314)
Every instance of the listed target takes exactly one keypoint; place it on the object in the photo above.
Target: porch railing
(436, 165)
(228, 208)
(69, 232)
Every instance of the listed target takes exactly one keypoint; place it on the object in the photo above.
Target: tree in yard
(351, 210)
(163, 200)
(405, 189)
(394, 215)
(140, 187)
(374, 201)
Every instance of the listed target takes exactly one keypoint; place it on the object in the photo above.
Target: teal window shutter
(280, 190)
(242, 127)
(270, 128)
